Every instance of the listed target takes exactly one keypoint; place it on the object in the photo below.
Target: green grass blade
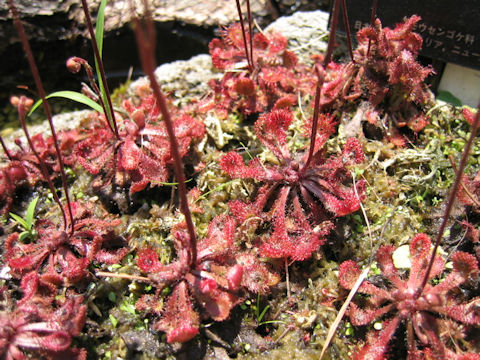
(257, 307)
(30, 213)
(99, 30)
(19, 220)
(100, 25)
(70, 95)
(260, 317)
(219, 187)
(169, 183)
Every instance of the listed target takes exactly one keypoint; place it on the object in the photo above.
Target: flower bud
(73, 65)
(14, 100)
(27, 103)
(23, 101)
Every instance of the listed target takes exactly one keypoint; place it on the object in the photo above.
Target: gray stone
(52, 20)
(44, 20)
(183, 78)
(204, 13)
(306, 33)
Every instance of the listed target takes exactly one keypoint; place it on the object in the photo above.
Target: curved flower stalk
(297, 200)
(435, 309)
(216, 283)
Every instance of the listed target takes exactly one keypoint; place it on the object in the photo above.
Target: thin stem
(122, 276)
(244, 35)
(347, 28)
(287, 279)
(373, 15)
(285, 332)
(320, 72)
(451, 198)
(46, 107)
(21, 115)
(146, 43)
(4, 146)
(333, 31)
(91, 79)
(249, 16)
(372, 20)
(109, 113)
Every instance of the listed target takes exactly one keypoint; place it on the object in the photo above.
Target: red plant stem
(110, 114)
(46, 107)
(21, 115)
(333, 31)
(320, 72)
(374, 12)
(347, 29)
(146, 43)
(372, 20)
(451, 198)
(244, 35)
(4, 146)
(249, 15)
(89, 71)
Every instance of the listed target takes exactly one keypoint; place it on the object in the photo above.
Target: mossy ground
(405, 195)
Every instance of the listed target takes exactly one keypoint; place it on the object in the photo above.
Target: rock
(66, 121)
(206, 13)
(44, 20)
(52, 20)
(183, 78)
(306, 33)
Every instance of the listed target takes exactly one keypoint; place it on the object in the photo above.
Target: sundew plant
(320, 209)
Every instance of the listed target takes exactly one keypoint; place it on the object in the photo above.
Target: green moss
(120, 93)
